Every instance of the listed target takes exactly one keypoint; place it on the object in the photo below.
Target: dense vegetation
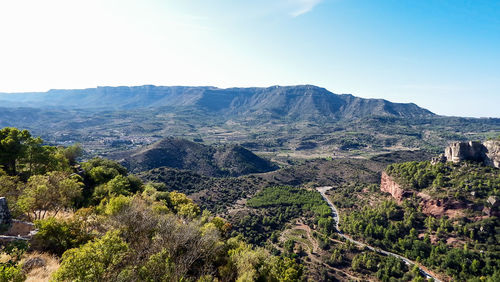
(400, 229)
(467, 181)
(212, 193)
(463, 247)
(275, 206)
(104, 223)
(116, 228)
(218, 193)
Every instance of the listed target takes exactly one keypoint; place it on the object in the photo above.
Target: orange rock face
(430, 206)
(387, 184)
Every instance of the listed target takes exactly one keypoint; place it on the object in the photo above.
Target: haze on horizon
(441, 55)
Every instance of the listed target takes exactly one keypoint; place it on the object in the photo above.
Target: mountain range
(283, 121)
(295, 102)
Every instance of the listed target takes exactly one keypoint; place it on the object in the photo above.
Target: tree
(71, 153)
(119, 185)
(99, 171)
(475, 266)
(285, 269)
(336, 257)
(53, 191)
(40, 159)
(12, 147)
(10, 189)
(11, 268)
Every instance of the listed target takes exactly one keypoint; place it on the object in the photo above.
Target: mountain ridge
(294, 102)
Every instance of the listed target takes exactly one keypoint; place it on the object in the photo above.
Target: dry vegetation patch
(40, 271)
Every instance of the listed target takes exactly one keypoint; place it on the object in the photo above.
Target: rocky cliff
(465, 151)
(493, 152)
(387, 184)
(487, 152)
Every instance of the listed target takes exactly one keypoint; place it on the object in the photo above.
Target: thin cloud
(304, 6)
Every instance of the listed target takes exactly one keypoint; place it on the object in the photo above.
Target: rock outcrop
(487, 152)
(5, 217)
(439, 159)
(32, 263)
(493, 201)
(465, 151)
(492, 152)
(387, 184)
(12, 229)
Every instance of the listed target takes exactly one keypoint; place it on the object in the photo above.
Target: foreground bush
(94, 261)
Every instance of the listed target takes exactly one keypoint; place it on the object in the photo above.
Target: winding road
(322, 191)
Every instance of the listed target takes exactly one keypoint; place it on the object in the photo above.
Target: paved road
(322, 191)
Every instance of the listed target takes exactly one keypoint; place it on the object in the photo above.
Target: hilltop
(224, 160)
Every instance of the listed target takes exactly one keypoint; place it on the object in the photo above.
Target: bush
(56, 236)
(94, 261)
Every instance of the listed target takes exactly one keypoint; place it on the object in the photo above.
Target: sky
(443, 55)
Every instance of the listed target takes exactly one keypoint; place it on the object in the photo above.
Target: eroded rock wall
(387, 184)
(465, 151)
(487, 152)
(492, 152)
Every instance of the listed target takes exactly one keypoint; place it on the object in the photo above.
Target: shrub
(56, 236)
(94, 261)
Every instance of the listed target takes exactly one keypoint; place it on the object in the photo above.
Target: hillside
(464, 189)
(225, 160)
(219, 193)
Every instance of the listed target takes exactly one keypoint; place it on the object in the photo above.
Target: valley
(292, 122)
(274, 182)
(250, 141)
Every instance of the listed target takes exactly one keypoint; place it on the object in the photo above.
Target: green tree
(182, 205)
(40, 159)
(119, 185)
(51, 192)
(10, 188)
(72, 153)
(285, 269)
(10, 266)
(99, 171)
(12, 147)
(475, 266)
(336, 257)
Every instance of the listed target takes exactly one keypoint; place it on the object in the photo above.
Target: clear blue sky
(442, 55)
